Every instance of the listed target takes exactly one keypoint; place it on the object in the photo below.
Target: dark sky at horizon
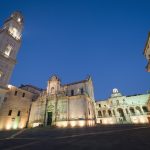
(75, 38)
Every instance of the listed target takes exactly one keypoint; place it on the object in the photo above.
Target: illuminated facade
(61, 105)
(10, 42)
(15, 102)
(119, 109)
(64, 105)
(147, 52)
(15, 109)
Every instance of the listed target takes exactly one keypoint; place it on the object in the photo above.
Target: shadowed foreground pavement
(93, 138)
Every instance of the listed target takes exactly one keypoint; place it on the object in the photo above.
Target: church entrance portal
(49, 118)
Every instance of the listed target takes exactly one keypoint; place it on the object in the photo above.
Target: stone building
(61, 105)
(15, 103)
(15, 109)
(119, 109)
(10, 42)
(147, 52)
(64, 105)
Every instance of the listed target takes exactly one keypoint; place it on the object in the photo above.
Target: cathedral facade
(60, 105)
(64, 105)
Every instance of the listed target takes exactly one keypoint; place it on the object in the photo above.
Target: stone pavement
(93, 138)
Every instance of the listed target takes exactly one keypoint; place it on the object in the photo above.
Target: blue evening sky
(75, 38)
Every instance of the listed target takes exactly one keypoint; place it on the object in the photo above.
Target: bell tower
(10, 42)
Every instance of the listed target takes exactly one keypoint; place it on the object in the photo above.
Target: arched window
(138, 109)
(132, 110)
(52, 90)
(104, 112)
(145, 109)
(99, 114)
(72, 92)
(121, 113)
(109, 112)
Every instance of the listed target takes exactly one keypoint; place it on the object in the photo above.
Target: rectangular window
(23, 95)
(16, 93)
(19, 113)
(99, 114)
(99, 105)
(10, 112)
(81, 90)
(72, 92)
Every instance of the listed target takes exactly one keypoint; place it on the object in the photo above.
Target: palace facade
(61, 105)
(121, 109)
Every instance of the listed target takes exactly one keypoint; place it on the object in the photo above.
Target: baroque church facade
(61, 105)
(65, 105)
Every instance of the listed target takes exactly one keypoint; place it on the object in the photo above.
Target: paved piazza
(91, 138)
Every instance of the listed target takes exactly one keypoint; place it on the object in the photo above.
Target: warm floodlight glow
(8, 126)
(73, 123)
(81, 123)
(21, 126)
(111, 122)
(15, 126)
(105, 121)
(135, 120)
(36, 124)
(64, 124)
(143, 120)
